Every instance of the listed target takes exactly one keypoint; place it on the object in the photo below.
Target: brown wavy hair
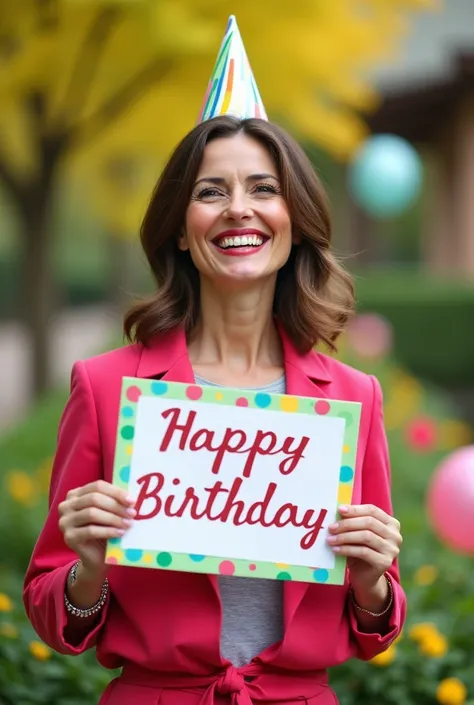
(314, 294)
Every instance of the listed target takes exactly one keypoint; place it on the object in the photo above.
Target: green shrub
(433, 321)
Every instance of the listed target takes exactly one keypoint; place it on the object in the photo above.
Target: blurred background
(93, 96)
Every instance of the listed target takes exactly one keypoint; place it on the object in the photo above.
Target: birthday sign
(233, 482)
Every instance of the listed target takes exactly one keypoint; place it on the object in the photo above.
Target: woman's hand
(371, 540)
(89, 516)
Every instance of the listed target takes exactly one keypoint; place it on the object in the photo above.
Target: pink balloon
(451, 501)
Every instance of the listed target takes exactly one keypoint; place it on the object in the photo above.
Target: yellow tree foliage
(107, 87)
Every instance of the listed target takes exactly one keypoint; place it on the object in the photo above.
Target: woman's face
(237, 224)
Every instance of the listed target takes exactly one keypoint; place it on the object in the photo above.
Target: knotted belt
(243, 685)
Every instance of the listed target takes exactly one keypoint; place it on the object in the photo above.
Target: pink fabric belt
(243, 685)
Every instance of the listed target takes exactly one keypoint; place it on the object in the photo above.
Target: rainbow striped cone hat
(232, 89)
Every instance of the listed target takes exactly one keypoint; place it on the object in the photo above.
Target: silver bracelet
(76, 611)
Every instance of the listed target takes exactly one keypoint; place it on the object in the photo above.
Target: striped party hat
(232, 89)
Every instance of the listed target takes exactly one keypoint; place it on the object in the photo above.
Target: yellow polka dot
(282, 565)
(129, 450)
(346, 449)
(219, 396)
(289, 404)
(344, 495)
(114, 553)
(147, 558)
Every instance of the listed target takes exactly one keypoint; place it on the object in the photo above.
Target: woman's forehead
(237, 154)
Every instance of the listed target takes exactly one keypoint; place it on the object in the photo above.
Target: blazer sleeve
(376, 489)
(77, 462)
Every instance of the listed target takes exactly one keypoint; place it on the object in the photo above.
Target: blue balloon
(385, 176)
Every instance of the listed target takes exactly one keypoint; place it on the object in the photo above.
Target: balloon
(370, 335)
(385, 176)
(451, 501)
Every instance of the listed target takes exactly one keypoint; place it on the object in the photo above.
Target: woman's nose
(238, 207)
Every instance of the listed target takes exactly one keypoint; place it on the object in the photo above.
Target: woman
(237, 234)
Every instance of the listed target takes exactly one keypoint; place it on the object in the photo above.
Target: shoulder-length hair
(314, 295)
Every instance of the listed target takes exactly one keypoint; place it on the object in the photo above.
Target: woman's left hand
(371, 540)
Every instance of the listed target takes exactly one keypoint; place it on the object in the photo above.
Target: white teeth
(241, 241)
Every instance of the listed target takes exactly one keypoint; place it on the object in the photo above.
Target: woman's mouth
(243, 244)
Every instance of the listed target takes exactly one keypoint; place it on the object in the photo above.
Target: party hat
(232, 89)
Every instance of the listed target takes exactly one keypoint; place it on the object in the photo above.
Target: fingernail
(127, 523)
(333, 527)
(120, 532)
(131, 512)
(129, 499)
(343, 508)
(336, 549)
(332, 539)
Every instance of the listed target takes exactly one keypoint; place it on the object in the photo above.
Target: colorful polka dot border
(133, 389)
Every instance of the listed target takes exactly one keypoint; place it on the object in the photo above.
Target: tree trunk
(38, 288)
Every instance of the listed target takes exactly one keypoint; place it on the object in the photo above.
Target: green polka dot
(127, 432)
(284, 576)
(164, 559)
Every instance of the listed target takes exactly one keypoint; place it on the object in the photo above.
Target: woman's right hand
(91, 515)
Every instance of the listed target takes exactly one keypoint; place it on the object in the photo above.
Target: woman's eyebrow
(219, 180)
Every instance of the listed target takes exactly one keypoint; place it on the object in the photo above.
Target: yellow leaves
(142, 66)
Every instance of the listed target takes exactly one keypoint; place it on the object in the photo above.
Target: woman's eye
(266, 188)
(208, 192)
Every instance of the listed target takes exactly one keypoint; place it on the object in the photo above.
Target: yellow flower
(8, 630)
(426, 575)
(6, 605)
(40, 651)
(451, 691)
(22, 488)
(386, 657)
(422, 630)
(434, 646)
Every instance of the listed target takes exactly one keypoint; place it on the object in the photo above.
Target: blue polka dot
(116, 540)
(124, 473)
(196, 558)
(127, 411)
(346, 474)
(321, 575)
(133, 554)
(159, 387)
(263, 400)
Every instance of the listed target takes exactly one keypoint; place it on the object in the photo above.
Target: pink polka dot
(242, 401)
(322, 407)
(252, 566)
(111, 560)
(133, 393)
(194, 393)
(226, 568)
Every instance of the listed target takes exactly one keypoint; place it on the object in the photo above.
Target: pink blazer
(163, 627)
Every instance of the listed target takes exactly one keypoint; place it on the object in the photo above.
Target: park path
(75, 335)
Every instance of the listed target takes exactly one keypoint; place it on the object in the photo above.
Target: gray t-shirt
(252, 608)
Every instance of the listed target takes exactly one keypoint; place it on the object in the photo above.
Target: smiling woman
(237, 235)
(242, 179)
